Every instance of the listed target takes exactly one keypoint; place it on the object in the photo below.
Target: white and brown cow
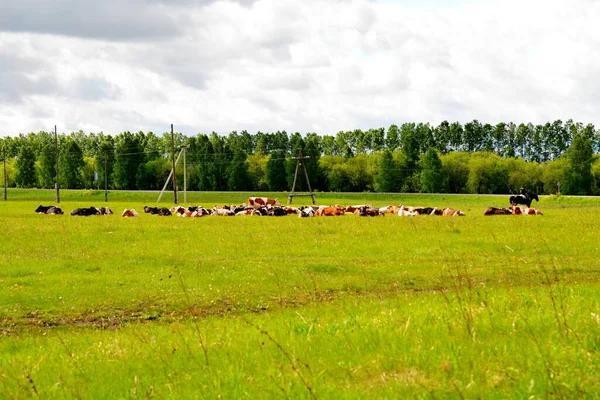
(129, 213)
(257, 202)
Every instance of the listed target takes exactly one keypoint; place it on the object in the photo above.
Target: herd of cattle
(264, 206)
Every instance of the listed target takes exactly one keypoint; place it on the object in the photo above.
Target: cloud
(315, 65)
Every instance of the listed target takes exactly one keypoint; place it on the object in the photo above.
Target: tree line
(413, 157)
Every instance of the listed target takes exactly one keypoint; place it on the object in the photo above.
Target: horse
(525, 199)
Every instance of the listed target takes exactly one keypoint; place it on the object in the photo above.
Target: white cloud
(306, 66)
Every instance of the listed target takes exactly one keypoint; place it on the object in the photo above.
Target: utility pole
(57, 184)
(174, 172)
(105, 177)
(300, 160)
(184, 177)
(4, 158)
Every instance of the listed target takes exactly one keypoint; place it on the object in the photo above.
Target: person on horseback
(523, 198)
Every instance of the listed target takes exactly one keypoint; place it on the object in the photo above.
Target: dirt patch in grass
(115, 318)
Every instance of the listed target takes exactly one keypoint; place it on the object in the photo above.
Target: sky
(300, 66)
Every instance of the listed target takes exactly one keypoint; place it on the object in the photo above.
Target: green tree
(431, 172)
(105, 157)
(202, 154)
(128, 158)
(71, 164)
(392, 138)
(553, 175)
(330, 147)
(47, 166)
(473, 136)
(26, 175)
(488, 173)
(386, 179)
(237, 171)
(441, 136)
(276, 176)
(578, 175)
(222, 156)
(455, 134)
(455, 171)
(257, 165)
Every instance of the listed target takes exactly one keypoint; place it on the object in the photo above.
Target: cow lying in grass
(257, 202)
(87, 211)
(129, 213)
(330, 211)
(521, 210)
(48, 210)
(497, 211)
(160, 211)
(366, 211)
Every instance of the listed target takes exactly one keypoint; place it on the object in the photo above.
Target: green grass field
(264, 307)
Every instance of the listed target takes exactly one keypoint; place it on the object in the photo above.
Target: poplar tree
(431, 174)
(25, 176)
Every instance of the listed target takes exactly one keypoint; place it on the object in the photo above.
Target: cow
(179, 211)
(366, 211)
(48, 210)
(424, 210)
(198, 211)
(354, 209)
(129, 213)
(386, 210)
(42, 209)
(527, 211)
(105, 211)
(306, 212)
(330, 211)
(222, 211)
(451, 212)
(447, 212)
(419, 210)
(406, 212)
(256, 202)
(276, 212)
(497, 211)
(163, 212)
(55, 210)
(245, 211)
(85, 212)
(238, 209)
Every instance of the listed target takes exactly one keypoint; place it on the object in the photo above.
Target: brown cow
(497, 211)
(129, 213)
(257, 202)
(451, 212)
(330, 211)
(353, 209)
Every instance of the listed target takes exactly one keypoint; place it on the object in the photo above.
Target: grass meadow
(316, 308)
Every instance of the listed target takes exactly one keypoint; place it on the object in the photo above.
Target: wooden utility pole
(105, 177)
(4, 197)
(300, 160)
(174, 172)
(184, 177)
(57, 183)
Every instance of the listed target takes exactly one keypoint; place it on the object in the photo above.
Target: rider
(522, 191)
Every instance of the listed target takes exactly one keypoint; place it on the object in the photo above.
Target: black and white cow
(85, 212)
